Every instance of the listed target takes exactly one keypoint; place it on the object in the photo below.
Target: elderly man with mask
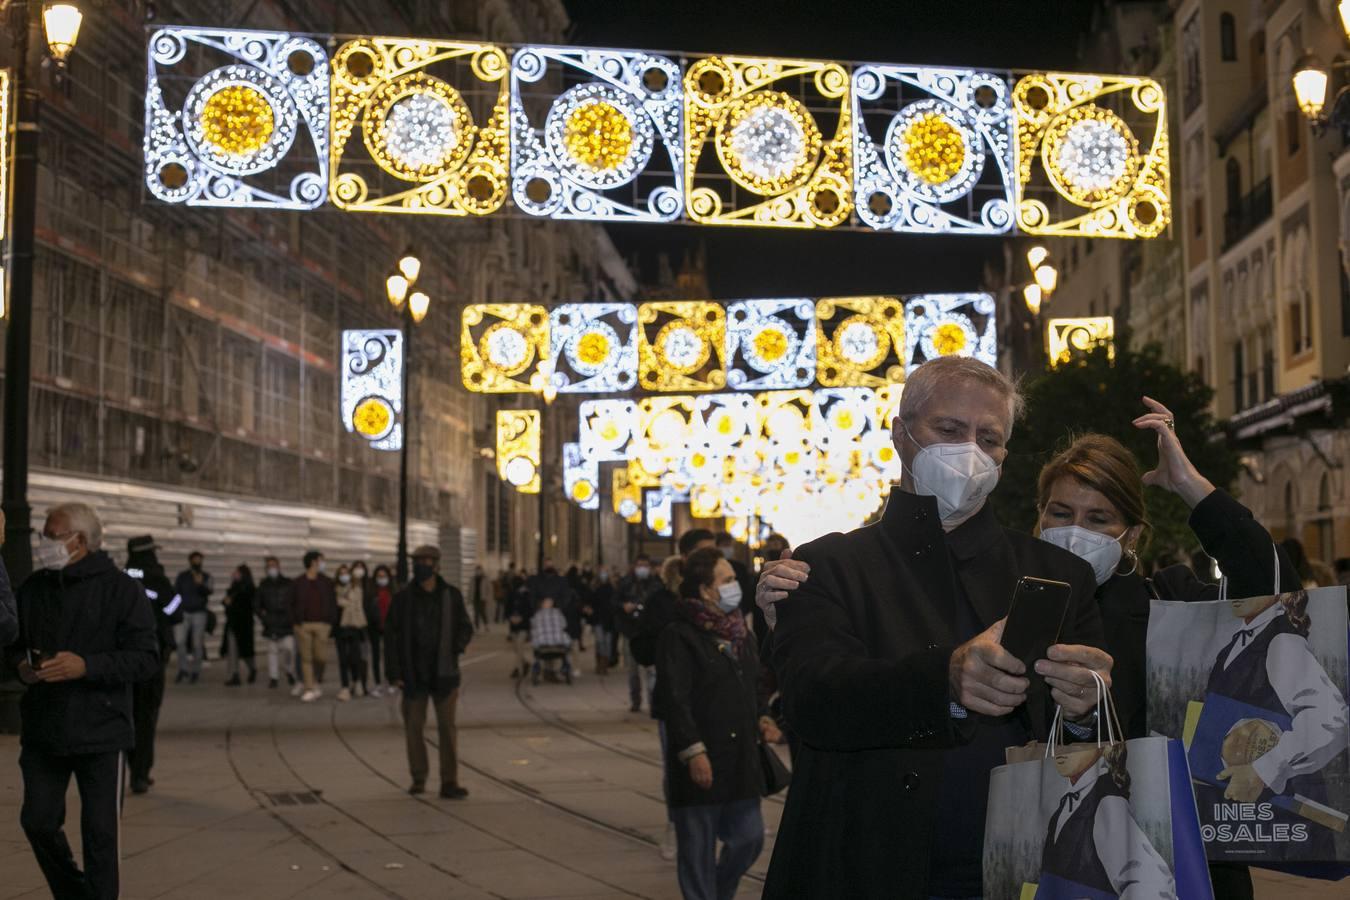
(890, 663)
(86, 636)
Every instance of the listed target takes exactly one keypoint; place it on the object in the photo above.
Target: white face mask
(729, 597)
(1101, 551)
(358, 574)
(273, 572)
(321, 567)
(344, 579)
(51, 553)
(382, 581)
(642, 572)
(960, 476)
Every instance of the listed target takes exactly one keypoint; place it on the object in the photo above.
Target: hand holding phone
(1035, 618)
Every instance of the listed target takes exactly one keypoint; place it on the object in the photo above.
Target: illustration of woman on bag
(1271, 721)
(1094, 849)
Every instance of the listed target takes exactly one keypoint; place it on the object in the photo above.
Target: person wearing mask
(86, 636)
(632, 595)
(239, 598)
(891, 666)
(378, 594)
(273, 603)
(708, 673)
(427, 630)
(314, 613)
(601, 613)
(193, 586)
(1090, 499)
(148, 694)
(481, 586)
(350, 633)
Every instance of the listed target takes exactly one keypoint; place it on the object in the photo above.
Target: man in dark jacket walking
(86, 635)
(274, 612)
(193, 586)
(427, 629)
(314, 613)
(148, 695)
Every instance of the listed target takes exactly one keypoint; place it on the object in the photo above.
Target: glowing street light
(1037, 255)
(417, 306)
(396, 286)
(61, 24)
(1311, 79)
(1032, 295)
(1047, 277)
(410, 266)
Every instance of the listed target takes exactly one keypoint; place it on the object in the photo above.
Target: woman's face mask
(729, 596)
(1101, 551)
(382, 580)
(344, 578)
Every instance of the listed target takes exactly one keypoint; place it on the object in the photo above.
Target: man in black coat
(891, 668)
(148, 695)
(86, 636)
(427, 629)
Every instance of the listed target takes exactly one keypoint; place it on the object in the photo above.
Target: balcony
(1251, 211)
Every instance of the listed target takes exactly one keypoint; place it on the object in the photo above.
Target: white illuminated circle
(507, 348)
(682, 348)
(769, 143)
(858, 343)
(591, 349)
(519, 471)
(770, 344)
(599, 135)
(1092, 155)
(628, 508)
(421, 132)
(240, 119)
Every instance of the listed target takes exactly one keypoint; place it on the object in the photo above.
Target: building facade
(186, 361)
(1249, 288)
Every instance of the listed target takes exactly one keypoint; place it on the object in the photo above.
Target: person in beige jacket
(350, 634)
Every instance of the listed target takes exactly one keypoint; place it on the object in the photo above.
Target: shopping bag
(1089, 820)
(1256, 690)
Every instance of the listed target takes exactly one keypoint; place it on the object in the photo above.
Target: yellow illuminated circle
(861, 343)
(373, 417)
(934, 148)
(768, 142)
(582, 491)
(952, 335)
(237, 120)
(591, 349)
(681, 349)
(418, 127)
(506, 349)
(934, 151)
(598, 135)
(949, 338)
(1090, 155)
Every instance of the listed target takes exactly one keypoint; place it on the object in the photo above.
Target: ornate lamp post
(397, 287)
(60, 23)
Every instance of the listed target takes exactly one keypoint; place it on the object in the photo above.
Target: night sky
(757, 262)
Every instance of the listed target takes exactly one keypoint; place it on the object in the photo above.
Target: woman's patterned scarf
(729, 627)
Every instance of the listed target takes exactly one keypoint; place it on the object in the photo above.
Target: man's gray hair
(925, 380)
(82, 518)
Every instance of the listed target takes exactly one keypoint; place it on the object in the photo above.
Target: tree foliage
(1096, 393)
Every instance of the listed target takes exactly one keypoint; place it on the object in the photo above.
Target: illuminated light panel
(581, 477)
(950, 325)
(949, 130)
(1067, 338)
(606, 428)
(223, 142)
(1095, 147)
(372, 386)
(593, 347)
(771, 344)
(518, 443)
(504, 348)
(626, 497)
(681, 346)
(860, 341)
(767, 143)
(418, 128)
(585, 159)
(660, 511)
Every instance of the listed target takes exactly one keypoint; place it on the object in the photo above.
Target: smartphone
(1035, 618)
(34, 659)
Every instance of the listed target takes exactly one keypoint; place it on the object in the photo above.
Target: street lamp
(1033, 296)
(1312, 81)
(1344, 9)
(61, 25)
(396, 287)
(1047, 277)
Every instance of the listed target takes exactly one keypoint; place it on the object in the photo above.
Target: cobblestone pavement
(260, 796)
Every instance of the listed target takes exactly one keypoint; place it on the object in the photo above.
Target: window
(1198, 215)
(1227, 38)
(1233, 183)
(1237, 375)
(1293, 131)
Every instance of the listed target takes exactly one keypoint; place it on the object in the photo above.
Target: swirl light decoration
(860, 341)
(950, 325)
(681, 345)
(504, 348)
(609, 147)
(252, 131)
(1067, 338)
(581, 477)
(518, 442)
(1091, 156)
(946, 133)
(776, 162)
(372, 386)
(605, 428)
(420, 127)
(771, 344)
(593, 347)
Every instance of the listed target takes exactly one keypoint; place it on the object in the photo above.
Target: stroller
(546, 664)
(548, 636)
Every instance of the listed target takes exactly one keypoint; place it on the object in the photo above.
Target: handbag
(776, 775)
(1085, 820)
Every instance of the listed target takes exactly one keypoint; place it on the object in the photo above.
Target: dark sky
(1008, 34)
